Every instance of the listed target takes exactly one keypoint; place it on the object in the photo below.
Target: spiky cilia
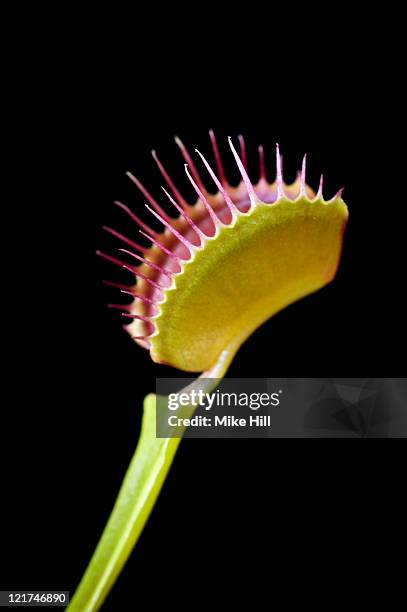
(251, 223)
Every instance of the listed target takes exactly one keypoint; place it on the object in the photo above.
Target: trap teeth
(214, 232)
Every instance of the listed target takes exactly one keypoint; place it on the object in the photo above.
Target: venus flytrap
(217, 272)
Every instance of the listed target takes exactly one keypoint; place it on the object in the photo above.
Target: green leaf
(138, 494)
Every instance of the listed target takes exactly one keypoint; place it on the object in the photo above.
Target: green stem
(139, 492)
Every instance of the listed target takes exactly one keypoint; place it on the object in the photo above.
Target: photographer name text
(220, 421)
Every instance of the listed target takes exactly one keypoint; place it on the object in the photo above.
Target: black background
(77, 397)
